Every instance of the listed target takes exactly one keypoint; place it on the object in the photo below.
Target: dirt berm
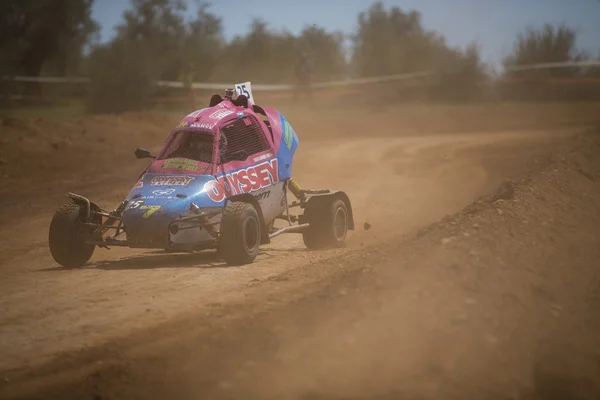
(500, 301)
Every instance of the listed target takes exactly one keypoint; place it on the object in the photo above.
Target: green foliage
(202, 46)
(158, 26)
(395, 42)
(159, 40)
(121, 76)
(549, 44)
(147, 48)
(391, 42)
(41, 36)
(36, 32)
(265, 56)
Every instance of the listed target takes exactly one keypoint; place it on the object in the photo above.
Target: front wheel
(68, 237)
(240, 233)
(328, 224)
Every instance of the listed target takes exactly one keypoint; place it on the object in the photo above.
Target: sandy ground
(467, 307)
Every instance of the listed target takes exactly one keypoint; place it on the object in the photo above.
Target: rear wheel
(68, 237)
(240, 233)
(328, 224)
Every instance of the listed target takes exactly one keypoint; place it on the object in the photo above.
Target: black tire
(67, 238)
(240, 233)
(328, 219)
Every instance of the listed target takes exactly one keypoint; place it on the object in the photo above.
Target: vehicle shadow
(153, 260)
(268, 250)
(162, 259)
(158, 259)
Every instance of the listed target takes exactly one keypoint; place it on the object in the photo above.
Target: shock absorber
(296, 189)
(100, 231)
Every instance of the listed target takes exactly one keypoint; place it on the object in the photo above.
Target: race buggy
(220, 182)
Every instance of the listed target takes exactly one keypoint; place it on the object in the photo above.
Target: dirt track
(420, 318)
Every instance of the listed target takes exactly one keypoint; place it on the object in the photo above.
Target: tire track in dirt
(499, 301)
(47, 310)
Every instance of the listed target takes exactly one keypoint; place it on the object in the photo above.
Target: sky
(493, 24)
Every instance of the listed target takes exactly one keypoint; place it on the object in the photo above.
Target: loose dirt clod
(505, 191)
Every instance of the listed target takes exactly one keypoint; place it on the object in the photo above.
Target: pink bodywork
(211, 119)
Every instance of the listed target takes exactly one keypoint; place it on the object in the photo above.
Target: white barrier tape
(588, 63)
(275, 88)
(377, 79)
(47, 79)
(222, 86)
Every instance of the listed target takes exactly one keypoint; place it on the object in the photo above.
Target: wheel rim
(250, 234)
(340, 224)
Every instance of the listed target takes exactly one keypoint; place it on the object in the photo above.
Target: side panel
(252, 179)
(287, 148)
(285, 139)
(189, 235)
(272, 201)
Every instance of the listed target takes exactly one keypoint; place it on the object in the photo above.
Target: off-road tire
(240, 233)
(67, 239)
(328, 224)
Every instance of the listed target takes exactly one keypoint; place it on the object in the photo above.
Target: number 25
(242, 90)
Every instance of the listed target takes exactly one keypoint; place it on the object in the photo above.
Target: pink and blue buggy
(221, 181)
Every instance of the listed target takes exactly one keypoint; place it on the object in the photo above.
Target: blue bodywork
(287, 147)
(153, 207)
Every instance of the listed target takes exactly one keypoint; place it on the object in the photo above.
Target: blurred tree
(147, 48)
(549, 44)
(154, 42)
(395, 42)
(390, 42)
(158, 26)
(326, 51)
(122, 77)
(33, 32)
(203, 43)
(267, 56)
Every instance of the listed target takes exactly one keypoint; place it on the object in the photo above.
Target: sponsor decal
(183, 124)
(263, 157)
(195, 113)
(181, 163)
(169, 180)
(149, 210)
(240, 114)
(202, 125)
(139, 184)
(158, 197)
(242, 181)
(219, 114)
(134, 204)
(192, 124)
(275, 121)
(287, 137)
(263, 195)
(163, 192)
